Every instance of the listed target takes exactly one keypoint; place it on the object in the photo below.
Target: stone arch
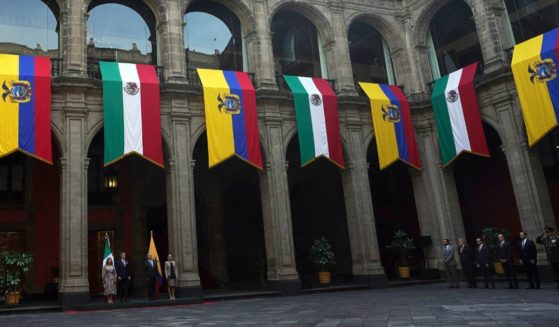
(237, 7)
(425, 17)
(386, 29)
(157, 8)
(58, 140)
(309, 11)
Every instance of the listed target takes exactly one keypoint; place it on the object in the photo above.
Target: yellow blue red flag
(394, 131)
(231, 122)
(25, 106)
(534, 67)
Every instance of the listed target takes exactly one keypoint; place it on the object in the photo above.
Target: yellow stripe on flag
(385, 134)
(9, 111)
(535, 101)
(153, 251)
(219, 125)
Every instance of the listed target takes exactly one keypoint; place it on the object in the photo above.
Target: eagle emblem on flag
(131, 88)
(316, 100)
(230, 102)
(452, 96)
(543, 71)
(391, 113)
(17, 91)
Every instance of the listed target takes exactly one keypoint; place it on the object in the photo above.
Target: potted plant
(404, 247)
(322, 255)
(15, 265)
(491, 240)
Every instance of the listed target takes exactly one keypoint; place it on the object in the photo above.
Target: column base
(375, 281)
(69, 301)
(189, 291)
(288, 287)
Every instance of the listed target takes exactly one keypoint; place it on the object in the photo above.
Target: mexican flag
(457, 115)
(316, 111)
(107, 253)
(132, 112)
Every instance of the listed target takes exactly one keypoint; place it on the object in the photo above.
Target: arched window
(370, 56)
(453, 41)
(123, 32)
(29, 27)
(213, 37)
(529, 18)
(297, 46)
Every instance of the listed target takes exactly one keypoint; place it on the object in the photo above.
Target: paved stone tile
(429, 305)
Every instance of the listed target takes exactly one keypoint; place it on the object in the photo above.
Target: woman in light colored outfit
(109, 280)
(171, 276)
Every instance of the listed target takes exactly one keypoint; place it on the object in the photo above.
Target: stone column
(276, 213)
(436, 198)
(73, 20)
(489, 18)
(527, 177)
(171, 43)
(341, 59)
(259, 47)
(367, 267)
(74, 284)
(181, 208)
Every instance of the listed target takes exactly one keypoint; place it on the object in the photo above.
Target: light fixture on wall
(111, 181)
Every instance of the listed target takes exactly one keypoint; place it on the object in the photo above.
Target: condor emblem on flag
(25, 106)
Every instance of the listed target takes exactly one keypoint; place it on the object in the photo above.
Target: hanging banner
(457, 115)
(25, 106)
(394, 132)
(132, 112)
(534, 67)
(231, 121)
(316, 111)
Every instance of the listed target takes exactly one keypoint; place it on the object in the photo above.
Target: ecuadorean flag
(25, 106)
(316, 111)
(153, 251)
(393, 126)
(231, 122)
(534, 67)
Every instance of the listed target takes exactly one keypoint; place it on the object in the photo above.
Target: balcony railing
(55, 67)
(94, 71)
(362, 93)
(480, 74)
(192, 77)
(282, 85)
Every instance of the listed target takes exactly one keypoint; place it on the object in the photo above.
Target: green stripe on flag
(304, 121)
(114, 112)
(442, 120)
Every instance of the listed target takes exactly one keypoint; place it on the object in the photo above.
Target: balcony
(192, 77)
(55, 67)
(282, 85)
(480, 74)
(94, 71)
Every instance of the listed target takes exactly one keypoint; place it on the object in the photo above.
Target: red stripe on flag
(470, 108)
(330, 104)
(42, 93)
(251, 119)
(151, 114)
(413, 154)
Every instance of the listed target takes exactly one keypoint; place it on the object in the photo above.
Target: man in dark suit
(150, 271)
(504, 254)
(467, 259)
(123, 275)
(529, 257)
(483, 262)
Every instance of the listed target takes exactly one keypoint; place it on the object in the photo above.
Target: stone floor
(427, 305)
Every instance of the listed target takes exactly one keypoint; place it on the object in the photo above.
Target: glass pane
(118, 33)
(29, 27)
(367, 54)
(295, 42)
(530, 18)
(454, 34)
(212, 37)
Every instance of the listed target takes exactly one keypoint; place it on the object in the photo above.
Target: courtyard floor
(427, 305)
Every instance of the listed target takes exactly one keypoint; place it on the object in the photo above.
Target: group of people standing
(479, 256)
(117, 275)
